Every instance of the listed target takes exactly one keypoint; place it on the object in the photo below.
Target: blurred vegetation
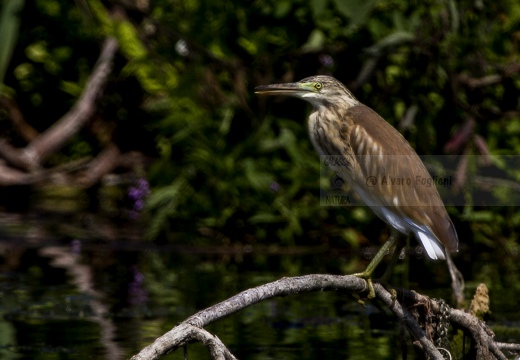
(240, 168)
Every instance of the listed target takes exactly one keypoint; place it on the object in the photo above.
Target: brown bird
(377, 162)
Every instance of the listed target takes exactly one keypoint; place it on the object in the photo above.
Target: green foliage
(9, 25)
(242, 166)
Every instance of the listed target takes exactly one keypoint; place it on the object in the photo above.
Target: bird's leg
(389, 268)
(367, 274)
(393, 260)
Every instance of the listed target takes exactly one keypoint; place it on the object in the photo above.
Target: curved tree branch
(183, 333)
(60, 132)
(27, 132)
(414, 310)
(486, 346)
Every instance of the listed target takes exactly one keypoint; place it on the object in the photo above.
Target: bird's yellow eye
(318, 86)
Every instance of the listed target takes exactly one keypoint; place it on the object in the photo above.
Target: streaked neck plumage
(323, 123)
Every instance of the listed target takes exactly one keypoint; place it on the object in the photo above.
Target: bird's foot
(391, 290)
(371, 292)
(368, 279)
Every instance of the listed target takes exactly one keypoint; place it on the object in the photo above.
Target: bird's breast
(325, 133)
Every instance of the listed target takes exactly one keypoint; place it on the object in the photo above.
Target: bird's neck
(323, 125)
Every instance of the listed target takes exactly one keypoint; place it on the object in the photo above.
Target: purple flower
(274, 186)
(137, 194)
(139, 205)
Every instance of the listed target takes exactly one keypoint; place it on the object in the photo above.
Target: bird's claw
(370, 285)
(358, 299)
(392, 291)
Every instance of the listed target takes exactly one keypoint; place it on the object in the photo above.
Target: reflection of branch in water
(81, 276)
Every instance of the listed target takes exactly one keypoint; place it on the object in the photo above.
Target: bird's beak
(285, 89)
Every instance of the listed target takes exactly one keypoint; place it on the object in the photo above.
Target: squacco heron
(369, 153)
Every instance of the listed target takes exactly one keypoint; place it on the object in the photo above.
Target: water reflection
(76, 298)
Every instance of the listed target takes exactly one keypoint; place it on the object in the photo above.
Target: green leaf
(479, 216)
(394, 39)
(71, 88)
(265, 218)
(282, 8)
(315, 41)
(9, 27)
(129, 41)
(248, 45)
(357, 11)
(259, 180)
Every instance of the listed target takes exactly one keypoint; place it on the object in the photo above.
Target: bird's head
(319, 90)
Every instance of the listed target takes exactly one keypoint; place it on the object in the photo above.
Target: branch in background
(480, 82)
(26, 131)
(44, 144)
(507, 71)
(11, 155)
(60, 174)
(10, 176)
(461, 137)
(104, 163)
(60, 132)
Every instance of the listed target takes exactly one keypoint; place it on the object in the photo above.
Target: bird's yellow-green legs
(367, 274)
(393, 259)
(389, 268)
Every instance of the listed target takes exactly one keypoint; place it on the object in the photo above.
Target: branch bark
(26, 163)
(417, 322)
(505, 72)
(27, 132)
(105, 162)
(60, 132)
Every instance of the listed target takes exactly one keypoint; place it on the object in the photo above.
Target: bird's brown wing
(389, 169)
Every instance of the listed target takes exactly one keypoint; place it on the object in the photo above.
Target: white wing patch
(432, 246)
(429, 241)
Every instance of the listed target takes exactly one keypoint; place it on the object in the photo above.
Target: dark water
(66, 298)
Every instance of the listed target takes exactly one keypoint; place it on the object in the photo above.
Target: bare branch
(506, 346)
(12, 155)
(286, 286)
(486, 347)
(282, 287)
(61, 131)
(105, 162)
(407, 319)
(480, 82)
(507, 71)
(418, 322)
(217, 349)
(10, 176)
(14, 113)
